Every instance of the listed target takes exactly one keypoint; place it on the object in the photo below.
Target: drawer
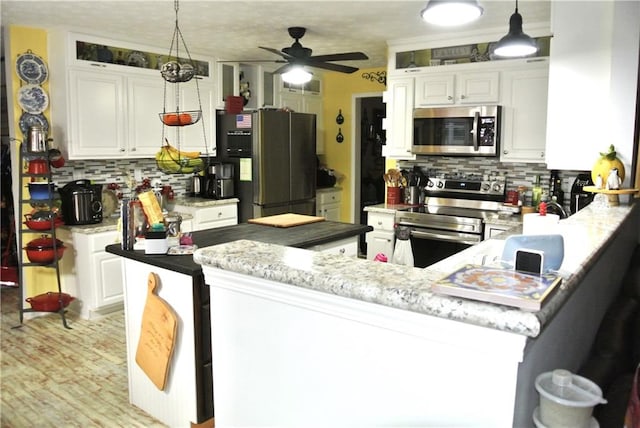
(223, 212)
(381, 220)
(346, 247)
(328, 197)
(98, 241)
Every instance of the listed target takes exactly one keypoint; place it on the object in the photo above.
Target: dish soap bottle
(536, 193)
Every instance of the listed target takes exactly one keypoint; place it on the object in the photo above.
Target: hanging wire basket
(171, 159)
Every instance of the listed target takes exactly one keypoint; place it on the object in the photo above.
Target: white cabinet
(106, 110)
(90, 273)
(345, 247)
(305, 102)
(592, 82)
(524, 112)
(457, 88)
(382, 238)
(399, 98)
(210, 217)
(328, 203)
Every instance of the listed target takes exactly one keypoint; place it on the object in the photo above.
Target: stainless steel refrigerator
(275, 157)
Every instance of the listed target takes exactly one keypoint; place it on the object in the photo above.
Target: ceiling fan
(298, 55)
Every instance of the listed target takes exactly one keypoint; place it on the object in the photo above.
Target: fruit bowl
(180, 118)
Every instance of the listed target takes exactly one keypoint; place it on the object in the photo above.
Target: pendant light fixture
(296, 75)
(515, 43)
(447, 13)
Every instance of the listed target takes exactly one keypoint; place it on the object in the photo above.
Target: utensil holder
(393, 195)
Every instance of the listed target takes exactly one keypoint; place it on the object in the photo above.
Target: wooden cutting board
(157, 336)
(286, 220)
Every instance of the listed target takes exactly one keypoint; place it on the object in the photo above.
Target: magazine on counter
(497, 285)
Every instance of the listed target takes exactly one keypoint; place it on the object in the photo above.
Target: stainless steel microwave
(457, 131)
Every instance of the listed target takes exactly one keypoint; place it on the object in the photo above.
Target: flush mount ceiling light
(297, 76)
(448, 13)
(515, 43)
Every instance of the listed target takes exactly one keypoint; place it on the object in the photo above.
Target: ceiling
(233, 30)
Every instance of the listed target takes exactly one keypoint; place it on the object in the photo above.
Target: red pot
(41, 250)
(38, 166)
(49, 302)
(41, 224)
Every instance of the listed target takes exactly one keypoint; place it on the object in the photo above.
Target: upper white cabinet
(106, 105)
(592, 82)
(445, 88)
(254, 82)
(399, 121)
(524, 112)
(304, 99)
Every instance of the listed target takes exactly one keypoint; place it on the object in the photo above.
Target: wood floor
(54, 377)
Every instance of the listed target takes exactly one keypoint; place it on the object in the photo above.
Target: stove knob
(430, 183)
(497, 187)
(485, 187)
(440, 184)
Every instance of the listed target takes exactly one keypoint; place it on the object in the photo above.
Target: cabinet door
(201, 135)
(98, 122)
(477, 88)
(313, 104)
(380, 242)
(145, 102)
(524, 114)
(292, 100)
(109, 287)
(434, 90)
(399, 121)
(331, 212)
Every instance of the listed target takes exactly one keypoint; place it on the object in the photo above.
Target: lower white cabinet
(90, 274)
(209, 217)
(328, 203)
(346, 247)
(382, 238)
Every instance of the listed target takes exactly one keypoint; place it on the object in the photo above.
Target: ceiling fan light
(297, 76)
(448, 13)
(516, 43)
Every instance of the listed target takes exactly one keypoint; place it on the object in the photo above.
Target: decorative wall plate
(33, 99)
(137, 59)
(109, 203)
(28, 119)
(32, 69)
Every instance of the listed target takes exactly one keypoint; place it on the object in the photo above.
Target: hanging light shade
(297, 76)
(448, 13)
(515, 43)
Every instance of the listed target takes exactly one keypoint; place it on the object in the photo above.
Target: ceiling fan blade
(333, 67)
(277, 52)
(347, 56)
(254, 60)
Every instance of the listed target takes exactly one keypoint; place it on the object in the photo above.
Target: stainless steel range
(452, 216)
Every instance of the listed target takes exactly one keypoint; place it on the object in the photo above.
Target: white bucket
(567, 400)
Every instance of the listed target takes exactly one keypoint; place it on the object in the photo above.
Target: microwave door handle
(476, 133)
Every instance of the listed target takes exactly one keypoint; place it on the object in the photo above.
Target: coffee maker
(219, 181)
(579, 197)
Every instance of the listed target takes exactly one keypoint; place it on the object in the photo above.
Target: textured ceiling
(232, 30)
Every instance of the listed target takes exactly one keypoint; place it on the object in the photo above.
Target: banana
(181, 154)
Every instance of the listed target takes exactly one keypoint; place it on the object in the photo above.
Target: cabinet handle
(462, 97)
(97, 65)
(342, 250)
(133, 149)
(220, 214)
(542, 154)
(506, 152)
(412, 70)
(122, 150)
(449, 98)
(379, 223)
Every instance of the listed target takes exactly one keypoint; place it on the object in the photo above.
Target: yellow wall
(21, 39)
(337, 94)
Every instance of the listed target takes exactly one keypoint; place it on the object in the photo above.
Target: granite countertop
(409, 288)
(303, 236)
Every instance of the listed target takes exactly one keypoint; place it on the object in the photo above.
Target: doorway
(369, 164)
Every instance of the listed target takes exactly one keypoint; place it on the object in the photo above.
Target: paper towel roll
(536, 224)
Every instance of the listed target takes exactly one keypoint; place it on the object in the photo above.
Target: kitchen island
(303, 339)
(188, 394)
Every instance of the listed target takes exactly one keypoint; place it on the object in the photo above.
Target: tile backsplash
(518, 174)
(116, 170)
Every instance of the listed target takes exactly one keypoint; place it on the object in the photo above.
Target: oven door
(429, 246)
